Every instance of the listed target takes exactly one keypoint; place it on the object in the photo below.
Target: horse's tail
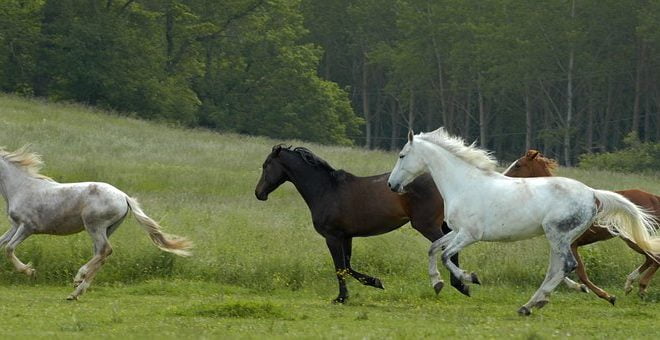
(170, 243)
(628, 220)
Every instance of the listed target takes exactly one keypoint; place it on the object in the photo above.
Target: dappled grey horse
(37, 204)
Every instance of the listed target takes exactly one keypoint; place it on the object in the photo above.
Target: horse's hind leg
(634, 275)
(646, 278)
(102, 250)
(22, 232)
(582, 274)
(562, 261)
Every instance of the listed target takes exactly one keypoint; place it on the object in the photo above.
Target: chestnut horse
(533, 164)
(344, 206)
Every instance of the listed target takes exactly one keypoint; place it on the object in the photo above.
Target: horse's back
(65, 208)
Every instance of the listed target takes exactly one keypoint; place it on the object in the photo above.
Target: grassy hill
(201, 184)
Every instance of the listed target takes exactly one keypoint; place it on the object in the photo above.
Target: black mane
(310, 158)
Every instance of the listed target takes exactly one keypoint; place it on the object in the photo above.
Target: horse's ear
(410, 135)
(276, 149)
(531, 154)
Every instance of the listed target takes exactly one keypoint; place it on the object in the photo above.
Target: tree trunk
(569, 100)
(647, 120)
(468, 117)
(638, 89)
(483, 120)
(604, 131)
(528, 119)
(590, 124)
(411, 110)
(365, 103)
(394, 136)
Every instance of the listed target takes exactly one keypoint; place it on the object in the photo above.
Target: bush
(636, 157)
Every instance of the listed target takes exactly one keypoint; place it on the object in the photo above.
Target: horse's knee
(569, 264)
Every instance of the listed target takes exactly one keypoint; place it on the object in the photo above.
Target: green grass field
(259, 268)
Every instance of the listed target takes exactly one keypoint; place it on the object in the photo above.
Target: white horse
(483, 205)
(37, 204)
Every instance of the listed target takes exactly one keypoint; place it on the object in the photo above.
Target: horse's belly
(510, 234)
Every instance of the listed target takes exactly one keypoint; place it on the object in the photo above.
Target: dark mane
(312, 159)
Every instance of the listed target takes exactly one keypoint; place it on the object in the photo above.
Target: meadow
(259, 268)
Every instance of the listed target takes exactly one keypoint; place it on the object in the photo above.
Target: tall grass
(200, 184)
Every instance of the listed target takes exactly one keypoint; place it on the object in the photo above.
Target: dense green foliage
(567, 77)
(236, 66)
(259, 269)
(636, 157)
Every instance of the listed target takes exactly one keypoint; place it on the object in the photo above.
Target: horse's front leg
(22, 232)
(363, 278)
(335, 245)
(454, 242)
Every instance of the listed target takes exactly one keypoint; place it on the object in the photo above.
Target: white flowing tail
(628, 220)
(170, 243)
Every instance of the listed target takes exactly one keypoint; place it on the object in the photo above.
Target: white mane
(471, 154)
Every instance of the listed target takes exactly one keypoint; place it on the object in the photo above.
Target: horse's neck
(313, 184)
(451, 174)
(13, 180)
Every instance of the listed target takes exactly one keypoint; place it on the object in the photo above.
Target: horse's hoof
(465, 290)
(541, 304)
(612, 299)
(524, 311)
(340, 300)
(378, 284)
(474, 278)
(438, 287)
(641, 294)
(584, 289)
(627, 289)
(72, 298)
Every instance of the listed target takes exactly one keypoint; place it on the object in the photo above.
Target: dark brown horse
(533, 164)
(344, 206)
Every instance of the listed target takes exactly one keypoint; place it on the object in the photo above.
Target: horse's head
(532, 164)
(272, 174)
(408, 167)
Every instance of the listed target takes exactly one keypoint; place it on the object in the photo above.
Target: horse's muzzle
(395, 188)
(260, 196)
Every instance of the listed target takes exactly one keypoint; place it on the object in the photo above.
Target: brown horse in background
(344, 206)
(533, 164)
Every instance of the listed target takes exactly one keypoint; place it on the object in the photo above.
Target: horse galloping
(344, 206)
(484, 205)
(37, 204)
(534, 164)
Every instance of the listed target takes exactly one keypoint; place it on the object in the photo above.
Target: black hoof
(438, 287)
(474, 279)
(465, 290)
(612, 300)
(524, 311)
(340, 299)
(584, 289)
(378, 284)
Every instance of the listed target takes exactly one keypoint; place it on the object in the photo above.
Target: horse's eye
(401, 156)
(517, 166)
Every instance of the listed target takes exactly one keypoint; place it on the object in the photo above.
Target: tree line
(568, 77)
